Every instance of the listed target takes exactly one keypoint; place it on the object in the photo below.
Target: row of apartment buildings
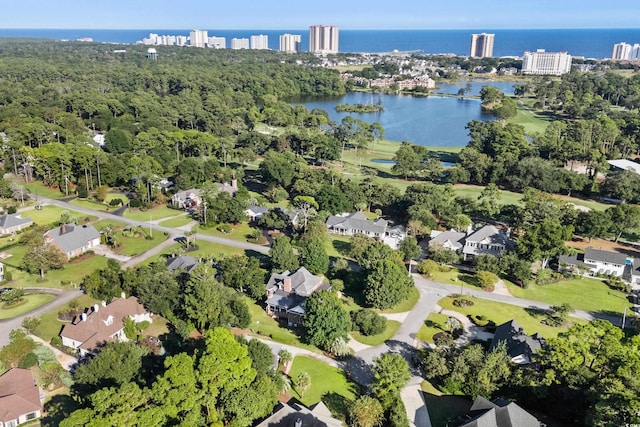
(625, 52)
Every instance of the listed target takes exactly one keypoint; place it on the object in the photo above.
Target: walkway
(417, 412)
(64, 359)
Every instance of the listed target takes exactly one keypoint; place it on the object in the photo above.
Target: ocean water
(590, 43)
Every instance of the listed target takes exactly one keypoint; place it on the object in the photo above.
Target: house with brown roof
(20, 398)
(10, 224)
(287, 293)
(73, 240)
(102, 324)
(498, 413)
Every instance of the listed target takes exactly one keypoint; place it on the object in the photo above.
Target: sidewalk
(64, 359)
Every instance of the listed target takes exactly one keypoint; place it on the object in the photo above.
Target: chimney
(123, 295)
(83, 317)
(287, 284)
(298, 422)
(234, 183)
(95, 308)
(63, 228)
(104, 303)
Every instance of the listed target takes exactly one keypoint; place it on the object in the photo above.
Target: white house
(486, 240)
(357, 223)
(597, 261)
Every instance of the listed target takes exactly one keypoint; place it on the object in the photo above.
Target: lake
(437, 121)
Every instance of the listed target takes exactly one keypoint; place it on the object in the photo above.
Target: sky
(299, 14)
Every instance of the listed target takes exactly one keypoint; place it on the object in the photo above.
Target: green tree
(366, 411)
(544, 240)
(282, 255)
(390, 374)
(326, 319)
(40, 259)
(408, 160)
(624, 217)
(244, 274)
(302, 382)
(409, 248)
(314, 256)
(594, 223)
(30, 323)
(388, 283)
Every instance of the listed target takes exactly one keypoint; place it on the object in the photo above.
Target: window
(31, 416)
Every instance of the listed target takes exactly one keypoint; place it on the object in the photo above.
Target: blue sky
(298, 14)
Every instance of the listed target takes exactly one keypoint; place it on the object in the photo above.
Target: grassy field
(177, 221)
(51, 215)
(50, 326)
(581, 294)
(239, 232)
(532, 121)
(328, 384)
(39, 189)
(337, 246)
(151, 214)
(31, 301)
(392, 328)
(407, 304)
(91, 204)
(132, 246)
(205, 249)
(500, 313)
(434, 323)
(443, 408)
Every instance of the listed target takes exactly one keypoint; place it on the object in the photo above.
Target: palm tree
(303, 382)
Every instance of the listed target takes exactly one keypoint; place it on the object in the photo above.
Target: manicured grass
(239, 232)
(103, 223)
(132, 246)
(434, 324)
(533, 122)
(51, 215)
(204, 249)
(373, 340)
(581, 294)
(407, 304)
(89, 204)
(337, 246)
(37, 188)
(443, 408)
(31, 301)
(177, 221)
(153, 214)
(116, 195)
(500, 313)
(50, 326)
(474, 191)
(325, 379)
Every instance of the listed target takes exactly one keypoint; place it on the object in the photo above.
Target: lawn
(31, 301)
(435, 323)
(325, 380)
(532, 121)
(443, 408)
(116, 195)
(581, 294)
(49, 215)
(132, 246)
(373, 340)
(407, 304)
(205, 249)
(337, 246)
(39, 189)
(50, 326)
(500, 313)
(176, 222)
(239, 232)
(151, 214)
(474, 191)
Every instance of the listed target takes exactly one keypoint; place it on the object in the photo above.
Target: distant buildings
(323, 39)
(217, 42)
(239, 43)
(482, 45)
(624, 51)
(152, 55)
(158, 40)
(290, 43)
(260, 42)
(546, 63)
(198, 38)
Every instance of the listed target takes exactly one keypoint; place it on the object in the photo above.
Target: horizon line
(342, 28)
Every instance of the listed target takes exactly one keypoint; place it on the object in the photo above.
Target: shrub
(368, 322)
(8, 276)
(12, 295)
(428, 267)
(462, 302)
(481, 320)
(45, 354)
(56, 341)
(136, 203)
(143, 325)
(115, 202)
(83, 193)
(224, 228)
(11, 210)
(28, 361)
(443, 339)
(487, 280)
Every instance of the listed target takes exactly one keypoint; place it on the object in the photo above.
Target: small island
(359, 108)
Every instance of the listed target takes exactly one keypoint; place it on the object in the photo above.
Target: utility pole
(624, 317)
(150, 229)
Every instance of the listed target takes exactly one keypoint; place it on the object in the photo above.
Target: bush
(136, 203)
(462, 302)
(45, 354)
(28, 361)
(143, 325)
(443, 339)
(56, 341)
(12, 210)
(115, 202)
(428, 267)
(8, 276)
(487, 280)
(368, 322)
(83, 193)
(224, 228)
(481, 321)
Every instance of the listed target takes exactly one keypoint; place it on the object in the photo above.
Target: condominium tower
(290, 43)
(323, 39)
(622, 51)
(547, 63)
(260, 42)
(217, 42)
(482, 45)
(198, 38)
(239, 43)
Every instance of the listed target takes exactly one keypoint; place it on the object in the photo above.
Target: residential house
(73, 240)
(597, 261)
(486, 240)
(624, 165)
(296, 415)
(520, 346)
(357, 223)
(185, 262)
(231, 189)
(255, 212)
(498, 413)
(10, 224)
(186, 199)
(102, 324)
(20, 398)
(287, 293)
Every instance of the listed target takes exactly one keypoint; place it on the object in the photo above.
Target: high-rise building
(198, 38)
(621, 51)
(239, 43)
(217, 42)
(635, 52)
(260, 42)
(482, 45)
(541, 62)
(323, 39)
(290, 42)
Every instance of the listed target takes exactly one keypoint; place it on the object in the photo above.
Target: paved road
(8, 325)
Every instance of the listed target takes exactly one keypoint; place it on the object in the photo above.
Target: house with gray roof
(255, 212)
(520, 346)
(486, 240)
(357, 223)
(72, 239)
(451, 239)
(182, 262)
(597, 261)
(10, 224)
(296, 415)
(287, 293)
(498, 413)
(186, 199)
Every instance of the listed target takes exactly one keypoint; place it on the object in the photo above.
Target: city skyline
(413, 14)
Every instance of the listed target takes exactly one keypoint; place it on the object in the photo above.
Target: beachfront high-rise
(323, 39)
(217, 42)
(482, 45)
(624, 51)
(546, 63)
(290, 43)
(239, 43)
(260, 42)
(198, 38)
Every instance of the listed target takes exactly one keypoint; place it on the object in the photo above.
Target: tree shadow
(536, 312)
(432, 324)
(358, 370)
(469, 279)
(342, 247)
(337, 404)
(410, 354)
(57, 409)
